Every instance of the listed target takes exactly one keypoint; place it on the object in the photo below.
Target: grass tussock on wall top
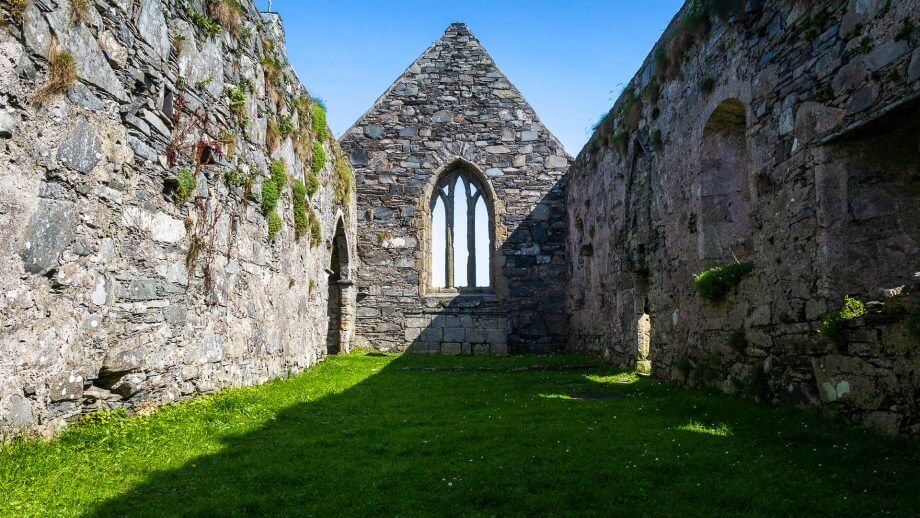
(370, 434)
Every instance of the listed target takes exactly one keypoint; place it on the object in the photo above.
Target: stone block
(49, 232)
(496, 336)
(498, 348)
(454, 334)
(66, 387)
(82, 149)
(412, 334)
(476, 335)
(432, 334)
(451, 348)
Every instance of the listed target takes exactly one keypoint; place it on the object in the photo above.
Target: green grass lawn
(373, 434)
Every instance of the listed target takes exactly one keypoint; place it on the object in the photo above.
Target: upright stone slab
(453, 109)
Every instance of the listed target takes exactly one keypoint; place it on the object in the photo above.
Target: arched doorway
(339, 281)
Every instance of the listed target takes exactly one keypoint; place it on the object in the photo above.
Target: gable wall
(452, 105)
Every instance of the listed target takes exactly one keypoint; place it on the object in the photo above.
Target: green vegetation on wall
(834, 324)
(274, 224)
(715, 283)
(319, 122)
(319, 157)
(301, 221)
(186, 183)
(343, 175)
(238, 100)
(208, 26)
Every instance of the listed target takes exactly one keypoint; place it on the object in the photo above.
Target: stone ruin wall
(453, 108)
(97, 303)
(789, 137)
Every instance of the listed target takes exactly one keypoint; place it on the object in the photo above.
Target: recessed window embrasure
(461, 241)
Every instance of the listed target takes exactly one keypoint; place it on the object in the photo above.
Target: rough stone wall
(454, 108)
(789, 138)
(114, 292)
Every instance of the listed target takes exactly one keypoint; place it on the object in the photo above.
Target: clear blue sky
(570, 59)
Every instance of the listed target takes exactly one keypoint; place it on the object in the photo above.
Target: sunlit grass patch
(375, 434)
(622, 378)
(721, 429)
(556, 396)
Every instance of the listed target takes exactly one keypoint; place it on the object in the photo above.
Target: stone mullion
(449, 228)
(471, 235)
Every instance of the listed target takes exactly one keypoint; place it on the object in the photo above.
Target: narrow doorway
(336, 279)
(643, 330)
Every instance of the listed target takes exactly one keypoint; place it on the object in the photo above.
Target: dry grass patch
(79, 10)
(228, 13)
(63, 74)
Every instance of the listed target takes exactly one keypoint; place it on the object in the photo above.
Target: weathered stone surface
(48, 234)
(20, 412)
(800, 160)
(81, 149)
(105, 281)
(152, 26)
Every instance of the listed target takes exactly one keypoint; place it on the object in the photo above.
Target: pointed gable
(453, 109)
(455, 81)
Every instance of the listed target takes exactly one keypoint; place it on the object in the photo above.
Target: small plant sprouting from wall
(227, 13)
(271, 193)
(237, 103)
(834, 324)
(274, 224)
(715, 283)
(272, 135)
(707, 84)
(343, 174)
(816, 23)
(316, 232)
(285, 126)
(312, 183)
(228, 142)
(319, 157)
(186, 183)
(189, 138)
(210, 27)
(18, 10)
(79, 10)
(62, 74)
(301, 220)
(383, 236)
(272, 71)
(270, 196)
(320, 131)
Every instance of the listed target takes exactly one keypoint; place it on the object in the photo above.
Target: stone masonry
(454, 109)
(787, 135)
(114, 291)
(145, 259)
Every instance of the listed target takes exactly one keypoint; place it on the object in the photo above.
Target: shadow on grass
(429, 435)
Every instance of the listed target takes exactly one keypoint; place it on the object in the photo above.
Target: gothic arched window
(461, 240)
